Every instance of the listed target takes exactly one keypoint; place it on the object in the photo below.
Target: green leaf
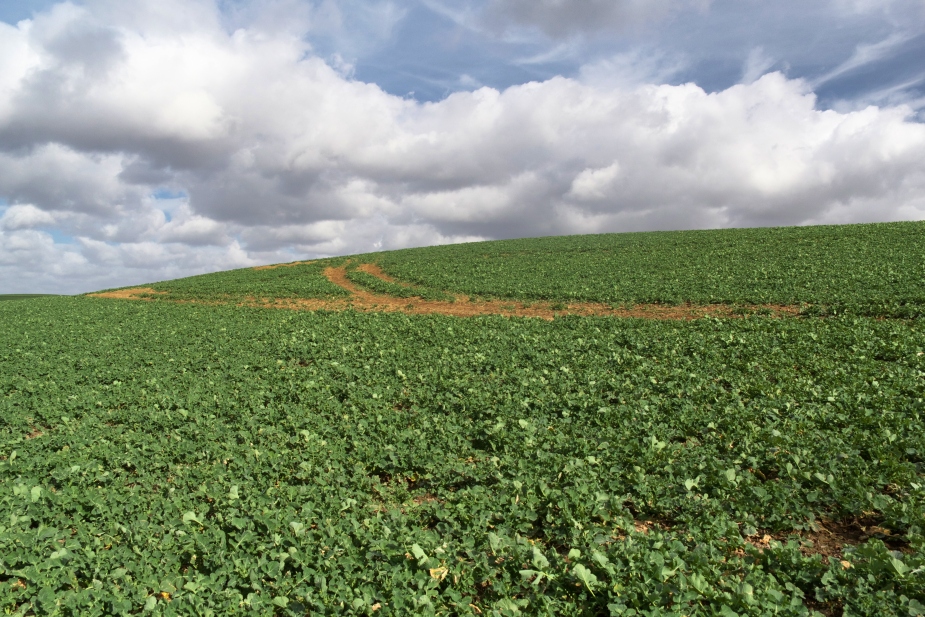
(419, 554)
(191, 516)
(600, 558)
(508, 605)
(539, 560)
(494, 540)
(585, 576)
(698, 582)
(526, 575)
(898, 566)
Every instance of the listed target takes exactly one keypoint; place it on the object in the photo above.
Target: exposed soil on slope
(464, 306)
(289, 265)
(135, 293)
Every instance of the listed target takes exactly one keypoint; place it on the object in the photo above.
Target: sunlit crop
(171, 458)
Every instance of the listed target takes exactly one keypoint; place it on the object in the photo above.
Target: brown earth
(363, 300)
(289, 265)
(134, 293)
(828, 538)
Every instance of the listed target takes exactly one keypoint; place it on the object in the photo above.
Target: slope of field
(876, 269)
(297, 280)
(368, 289)
(22, 296)
(177, 459)
(196, 453)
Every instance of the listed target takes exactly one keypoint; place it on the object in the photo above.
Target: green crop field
(22, 296)
(293, 281)
(176, 457)
(867, 269)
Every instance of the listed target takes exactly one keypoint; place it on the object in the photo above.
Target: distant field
(293, 281)
(22, 296)
(872, 270)
(195, 452)
(869, 269)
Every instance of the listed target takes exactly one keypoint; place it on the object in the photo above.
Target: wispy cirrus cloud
(561, 18)
(864, 55)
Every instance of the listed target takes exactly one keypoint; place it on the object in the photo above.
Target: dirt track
(363, 300)
(462, 307)
(289, 265)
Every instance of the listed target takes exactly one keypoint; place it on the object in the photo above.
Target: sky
(148, 140)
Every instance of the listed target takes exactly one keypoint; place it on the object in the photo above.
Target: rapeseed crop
(175, 458)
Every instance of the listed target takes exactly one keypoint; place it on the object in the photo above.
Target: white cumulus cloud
(156, 142)
(25, 216)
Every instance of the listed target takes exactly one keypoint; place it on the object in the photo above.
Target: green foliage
(285, 282)
(867, 270)
(871, 270)
(23, 296)
(178, 459)
(376, 284)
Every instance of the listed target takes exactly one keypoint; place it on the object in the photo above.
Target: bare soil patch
(289, 265)
(133, 293)
(830, 538)
(299, 304)
(426, 498)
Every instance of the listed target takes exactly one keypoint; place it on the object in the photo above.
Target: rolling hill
(680, 423)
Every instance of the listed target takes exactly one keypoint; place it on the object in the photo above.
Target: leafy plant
(174, 459)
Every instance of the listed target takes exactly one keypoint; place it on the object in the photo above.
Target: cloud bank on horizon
(155, 139)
